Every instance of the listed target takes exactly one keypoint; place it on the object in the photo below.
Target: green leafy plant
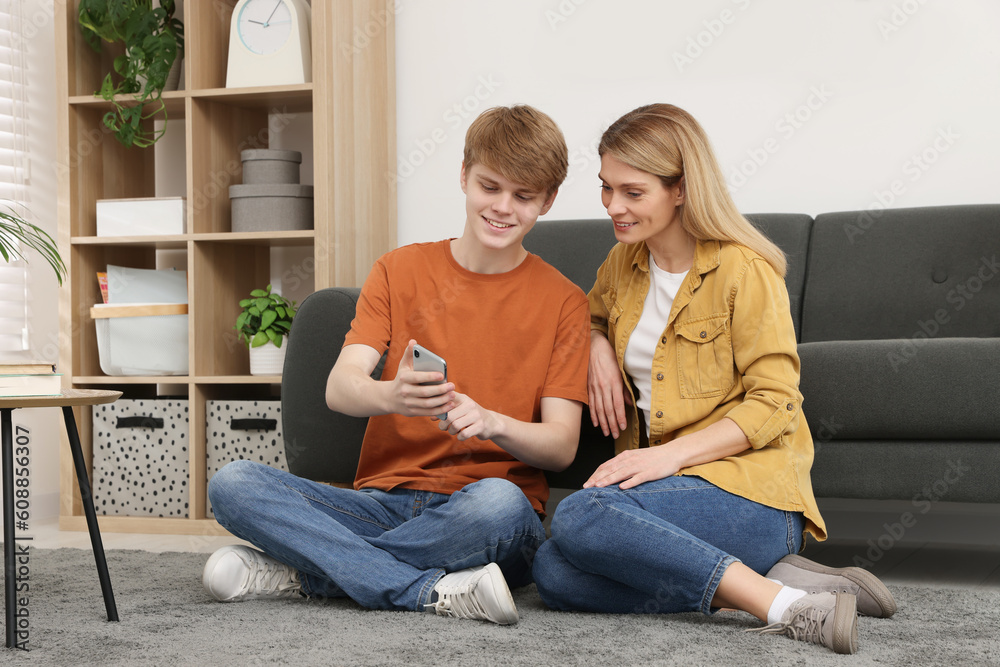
(153, 39)
(15, 231)
(266, 317)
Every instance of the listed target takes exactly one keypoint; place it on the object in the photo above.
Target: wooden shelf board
(302, 237)
(171, 242)
(140, 524)
(175, 379)
(296, 98)
(173, 102)
(129, 379)
(292, 238)
(236, 379)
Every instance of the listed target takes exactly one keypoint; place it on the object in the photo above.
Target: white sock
(786, 596)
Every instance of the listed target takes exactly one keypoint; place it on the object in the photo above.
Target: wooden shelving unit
(352, 101)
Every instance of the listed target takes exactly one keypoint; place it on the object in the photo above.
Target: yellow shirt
(728, 350)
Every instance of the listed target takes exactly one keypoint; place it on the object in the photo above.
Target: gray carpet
(167, 619)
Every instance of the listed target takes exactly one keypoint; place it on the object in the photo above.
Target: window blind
(13, 172)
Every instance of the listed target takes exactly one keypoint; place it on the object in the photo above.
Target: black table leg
(88, 509)
(9, 566)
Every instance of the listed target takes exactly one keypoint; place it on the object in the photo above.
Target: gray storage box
(242, 430)
(270, 208)
(264, 165)
(141, 458)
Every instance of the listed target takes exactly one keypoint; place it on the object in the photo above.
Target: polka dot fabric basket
(247, 430)
(141, 458)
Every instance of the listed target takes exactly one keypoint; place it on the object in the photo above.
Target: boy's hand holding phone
(417, 392)
(426, 361)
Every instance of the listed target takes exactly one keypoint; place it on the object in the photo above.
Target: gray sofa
(897, 313)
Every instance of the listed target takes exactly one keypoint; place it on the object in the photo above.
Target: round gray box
(276, 207)
(264, 165)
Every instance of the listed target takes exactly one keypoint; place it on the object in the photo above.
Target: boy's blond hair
(520, 143)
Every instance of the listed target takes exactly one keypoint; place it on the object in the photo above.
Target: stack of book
(29, 379)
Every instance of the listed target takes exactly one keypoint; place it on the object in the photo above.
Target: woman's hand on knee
(633, 467)
(605, 387)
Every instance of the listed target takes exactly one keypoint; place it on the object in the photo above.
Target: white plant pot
(268, 359)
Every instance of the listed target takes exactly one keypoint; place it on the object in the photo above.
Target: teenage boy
(445, 512)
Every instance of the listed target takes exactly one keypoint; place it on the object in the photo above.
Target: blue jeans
(383, 549)
(661, 547)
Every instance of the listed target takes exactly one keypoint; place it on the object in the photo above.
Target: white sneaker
(480, 593)
(241, 573)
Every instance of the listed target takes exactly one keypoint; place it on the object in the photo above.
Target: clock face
(264, 25)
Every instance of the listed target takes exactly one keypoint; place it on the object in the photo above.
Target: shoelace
(273, 577)
(805, 624)
(459, 603)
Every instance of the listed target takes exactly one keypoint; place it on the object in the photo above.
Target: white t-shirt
(663, 287)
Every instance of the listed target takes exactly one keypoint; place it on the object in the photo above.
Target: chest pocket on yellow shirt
(705, 364)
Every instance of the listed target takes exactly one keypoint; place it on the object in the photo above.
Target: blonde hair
(521, 143)
(668, 142)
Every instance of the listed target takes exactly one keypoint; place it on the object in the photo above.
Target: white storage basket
(243, 430)
(142, 339)
(141, 458)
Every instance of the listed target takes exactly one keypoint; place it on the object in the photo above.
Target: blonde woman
(694, 371)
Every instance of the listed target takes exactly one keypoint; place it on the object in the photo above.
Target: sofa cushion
(576, 247)
(790, 231)
(923, 472)
(904, 273)
(901, 389)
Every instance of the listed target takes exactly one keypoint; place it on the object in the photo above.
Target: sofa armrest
(320, 444)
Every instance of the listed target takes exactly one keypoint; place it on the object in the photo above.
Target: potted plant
(154, 42)
(263, 324)
(15, 231)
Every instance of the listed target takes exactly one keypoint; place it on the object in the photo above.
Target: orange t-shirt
(509, 339)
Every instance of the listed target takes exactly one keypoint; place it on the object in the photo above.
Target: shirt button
(789, 407)
(659, 413)
(664, 340)
(656, 442)
(703, 334)
(659, 376)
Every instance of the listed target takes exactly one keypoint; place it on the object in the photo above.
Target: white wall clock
(269, 43)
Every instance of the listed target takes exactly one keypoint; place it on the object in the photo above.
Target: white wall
(812, 106)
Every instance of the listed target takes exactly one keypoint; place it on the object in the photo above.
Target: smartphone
(425, 360)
